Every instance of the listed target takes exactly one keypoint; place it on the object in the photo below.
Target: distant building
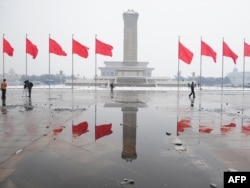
(236, 78)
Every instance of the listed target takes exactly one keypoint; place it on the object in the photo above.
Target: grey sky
(159, 25)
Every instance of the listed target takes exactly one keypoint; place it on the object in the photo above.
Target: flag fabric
(204, 129)
(103, 48)
(55, 48)
(31, 48)
(208, 51)
(229, 53)
(58, 130)
(80, 128)
(103, 130)
(227, 128)
(79, 49)
(245, 129)
(185, 54)
(246, 49)
(7, 48)
(182, 125)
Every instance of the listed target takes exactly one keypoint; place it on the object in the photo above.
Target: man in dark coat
(192, 90)
(29, 85)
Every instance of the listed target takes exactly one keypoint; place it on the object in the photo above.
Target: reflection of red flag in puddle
(245, 129)
(226, 128)
(103, 130)
(79, 129)
(204, 129)
(182, 125)
(58, 130)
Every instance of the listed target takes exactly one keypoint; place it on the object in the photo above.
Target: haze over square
(160, 23)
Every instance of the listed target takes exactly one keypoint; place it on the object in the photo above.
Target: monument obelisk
(130, 71)
(130, 18)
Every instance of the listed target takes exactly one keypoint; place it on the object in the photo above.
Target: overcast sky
(160, 23)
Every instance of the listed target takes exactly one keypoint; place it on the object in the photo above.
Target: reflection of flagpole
(72, 61)
(95, 118)
(3, 58)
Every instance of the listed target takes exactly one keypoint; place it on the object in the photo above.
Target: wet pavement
(135, 138)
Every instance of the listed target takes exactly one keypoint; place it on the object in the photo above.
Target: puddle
(108, 141)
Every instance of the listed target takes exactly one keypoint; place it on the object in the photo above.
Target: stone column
(130, 18)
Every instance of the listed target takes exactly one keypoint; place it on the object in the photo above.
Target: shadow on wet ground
(78, 138)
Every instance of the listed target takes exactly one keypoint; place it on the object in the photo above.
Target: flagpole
(222, 74)
(49, 68)
(95, 63)
(244, 67)
(3, 58)
(26, 67)
(200, 75)
(177, 110)
(178, 73)
(26, 58)
(243, 87)
(72, 61)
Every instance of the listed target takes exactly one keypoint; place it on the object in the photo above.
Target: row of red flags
(186, 123)
(55, 48)
(186, 55)
(105, 49)
(81, 128)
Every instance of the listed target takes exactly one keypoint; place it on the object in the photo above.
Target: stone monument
(128, 72)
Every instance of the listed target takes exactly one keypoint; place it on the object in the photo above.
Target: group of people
(27, 84)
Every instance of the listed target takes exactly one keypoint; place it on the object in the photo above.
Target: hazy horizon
(160, 24)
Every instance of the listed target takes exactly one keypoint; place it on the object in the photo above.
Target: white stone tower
(130, 18)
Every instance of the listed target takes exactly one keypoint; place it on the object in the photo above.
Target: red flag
(246, 49)
(80, 128)
(55, 48)
(79, 49)
(58, 130)
(204, 129)
(207, 51)
(31, 48)
(103, 130)
(102, 48)
(185, 54)
(229, 53)
(227, 128)
(245, 129)
(182, 125)
(7, 48)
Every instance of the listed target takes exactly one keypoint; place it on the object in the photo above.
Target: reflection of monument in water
(129, 72)
(129, 109)
(129, 133)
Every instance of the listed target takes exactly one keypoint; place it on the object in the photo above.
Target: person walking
(111, 87)
(29, 85)
(192, 90)
(3, 88)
